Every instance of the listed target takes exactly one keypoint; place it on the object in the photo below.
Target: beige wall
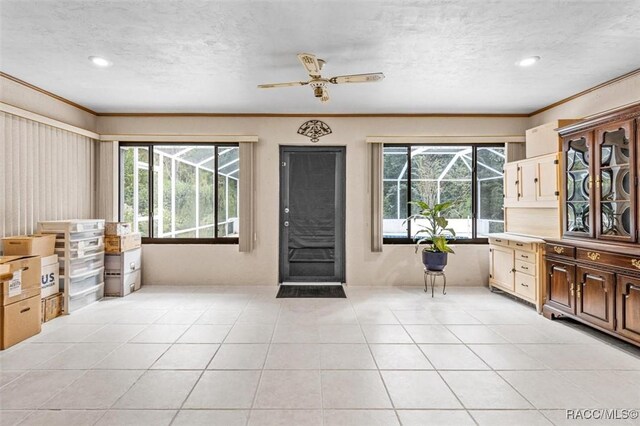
(17, 95)
(620, 93)
(396, 265)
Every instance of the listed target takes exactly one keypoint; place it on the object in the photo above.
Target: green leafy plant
(434, 227)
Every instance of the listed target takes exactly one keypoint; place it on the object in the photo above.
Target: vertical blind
(45, 174)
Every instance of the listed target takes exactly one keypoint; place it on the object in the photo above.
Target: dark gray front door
(312, 211)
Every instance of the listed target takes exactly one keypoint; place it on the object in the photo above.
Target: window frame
(474, 188)
(191, 240)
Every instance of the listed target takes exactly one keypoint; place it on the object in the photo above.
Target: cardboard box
(53, 307)
(117, 228)
(29, 245)
(19, 321)
(20, 278)
(118, 244)
(49, 276)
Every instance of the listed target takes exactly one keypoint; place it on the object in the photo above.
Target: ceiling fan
(313, 66)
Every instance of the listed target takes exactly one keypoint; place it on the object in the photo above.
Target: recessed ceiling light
(100, 62)
(527, 62)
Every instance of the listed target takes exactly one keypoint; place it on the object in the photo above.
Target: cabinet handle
(132, 266)
(535, 180)
(524, 285)
(573, 290)
(636, 263)
(498, 240)
(526, 268)
(580, 290)
(520, 244)
(593, 255)
(558, 250)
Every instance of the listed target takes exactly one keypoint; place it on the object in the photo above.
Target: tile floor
(384, 356)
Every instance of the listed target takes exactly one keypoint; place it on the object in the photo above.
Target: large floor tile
(137, 418)
(360, 417)
(285, 417)
(13, 417)
(416, 317)
(346, 357)
(431, 334)
(132, 356)
(115, 333)
(69, 333)
(80, 356)
(9, 376)
(159, 390)
(506, 357)
(400, 357)
(346, 333)
(96, 389)
(186, 357)
(211, 418)
(224, 389)
(419, 389)
(484, 390)
(436, 418)
(454, 317)
(549, 389)
(510, 418)
(453, 357)
(63, 418)
(385, 334)
(180, 316)
(241, 356)
(30, 355)
(353, 389)
(219, 316)
(205, 333)
(35, 388)
(250, 333)
(160, 333)
(293, 356)
(289, 389)
(139, 316)
(476, 334)
(296, 333)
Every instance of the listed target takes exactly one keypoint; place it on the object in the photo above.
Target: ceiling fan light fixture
(527, 62)
(100, 62)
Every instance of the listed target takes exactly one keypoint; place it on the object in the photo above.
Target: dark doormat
(311, 291)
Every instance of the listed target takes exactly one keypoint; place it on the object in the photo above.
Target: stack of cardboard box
(29, 275)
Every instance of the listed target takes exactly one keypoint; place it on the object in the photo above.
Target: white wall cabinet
(516, 266)
(532, 182)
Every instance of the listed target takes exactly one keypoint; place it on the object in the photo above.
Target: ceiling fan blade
(325, 95)
(357, 78)
(310, 63)
(276, 85)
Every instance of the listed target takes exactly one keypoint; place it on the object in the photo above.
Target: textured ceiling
(208, 56)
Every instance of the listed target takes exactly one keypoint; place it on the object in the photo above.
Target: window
(180, 191)
(470, 176)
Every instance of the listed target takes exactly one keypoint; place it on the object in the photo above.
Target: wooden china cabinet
(593, 272)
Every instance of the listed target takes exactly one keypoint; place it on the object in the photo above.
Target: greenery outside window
(179, 192)
(471, 176)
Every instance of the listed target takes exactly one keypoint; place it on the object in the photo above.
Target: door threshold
(310, 283)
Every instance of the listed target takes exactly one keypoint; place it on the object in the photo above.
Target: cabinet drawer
(609, 259)
(525, 285)
(525, 267)
(499, 241)
(131, 260)
(522, 246)
(560, 250)
(526, 256)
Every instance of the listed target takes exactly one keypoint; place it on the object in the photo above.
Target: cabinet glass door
(615, 183)
(578, 185)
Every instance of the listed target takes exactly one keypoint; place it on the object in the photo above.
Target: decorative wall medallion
(314, 129)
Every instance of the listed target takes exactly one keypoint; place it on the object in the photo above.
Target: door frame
(341, 188)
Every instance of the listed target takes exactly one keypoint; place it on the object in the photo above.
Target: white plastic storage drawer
(78, 249)
(122, 285)
(87, 297)
(78, 225)
(81, 283)
(84, 264)
(125, 262)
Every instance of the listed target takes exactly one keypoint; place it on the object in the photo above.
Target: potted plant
(434, 232)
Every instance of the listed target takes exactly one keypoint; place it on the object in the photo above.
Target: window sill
(177, 241)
